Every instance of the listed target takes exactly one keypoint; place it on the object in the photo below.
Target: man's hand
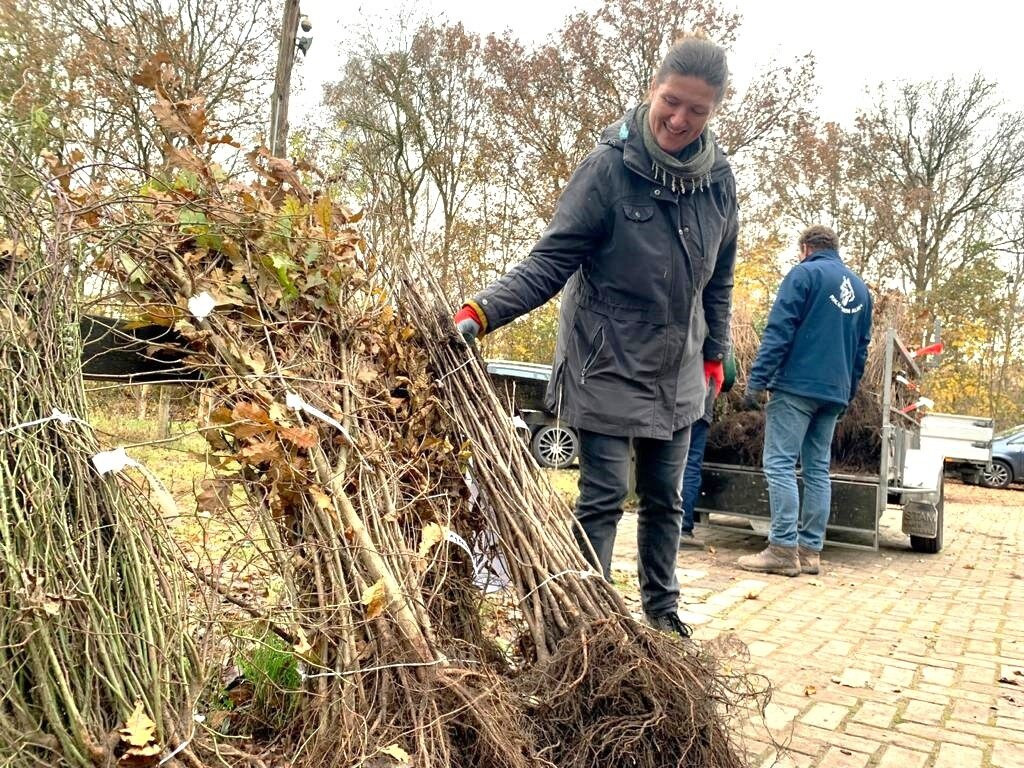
(714, 371)
(753, 400)
(468, 323)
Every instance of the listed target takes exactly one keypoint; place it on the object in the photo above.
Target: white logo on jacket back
(846, 295)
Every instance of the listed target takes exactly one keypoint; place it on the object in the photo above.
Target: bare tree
(937, 159)
(1007, 369)
(413, 114)
(820, 181)
(219, 52)
(553, 101)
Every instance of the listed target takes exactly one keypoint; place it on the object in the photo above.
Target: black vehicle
(521, 386)
(1007, 459)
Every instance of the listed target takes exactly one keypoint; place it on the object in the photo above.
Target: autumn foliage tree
(922, 191)
(81, 80)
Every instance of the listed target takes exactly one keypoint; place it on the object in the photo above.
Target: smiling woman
(681, 106)
(689, 86)
(644, 241)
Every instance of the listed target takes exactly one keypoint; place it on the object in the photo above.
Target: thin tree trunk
(163, 413)
(142, 401)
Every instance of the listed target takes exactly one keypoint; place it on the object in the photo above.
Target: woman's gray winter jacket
(648, 277)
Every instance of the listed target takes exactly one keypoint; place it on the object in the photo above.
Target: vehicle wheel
(932, 546)
(997, 474)
(555, 446)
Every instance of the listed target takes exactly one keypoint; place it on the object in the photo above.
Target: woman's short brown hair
(697, 57)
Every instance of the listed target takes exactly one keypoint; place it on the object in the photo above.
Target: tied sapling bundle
(97, 664)
(369, 442)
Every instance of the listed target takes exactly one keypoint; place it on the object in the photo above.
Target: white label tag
(201, 306)
(296, 403)
(113, 461)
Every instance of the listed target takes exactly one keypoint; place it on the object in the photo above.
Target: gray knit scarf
(686, 176)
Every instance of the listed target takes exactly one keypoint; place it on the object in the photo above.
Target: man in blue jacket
(811, 359)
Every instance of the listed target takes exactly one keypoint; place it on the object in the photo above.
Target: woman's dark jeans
(604, 483)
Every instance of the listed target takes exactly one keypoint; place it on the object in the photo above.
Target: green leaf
(40, 119)
(189, 217)
(280, 260)
(154, 188)
(280, 264)
(210, 240)
(187, 180)
(312, 254)
(283, 227)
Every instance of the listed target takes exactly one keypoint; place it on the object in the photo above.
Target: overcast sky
(855, 43)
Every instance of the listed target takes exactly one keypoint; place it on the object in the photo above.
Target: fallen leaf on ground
(854, 678)
(752, 589)
(810, 690)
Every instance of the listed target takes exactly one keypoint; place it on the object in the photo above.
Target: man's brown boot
(774, 559)
(810, 561)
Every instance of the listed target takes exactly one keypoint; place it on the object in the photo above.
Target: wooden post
(141, 405)
(163, 413)
(278, 136)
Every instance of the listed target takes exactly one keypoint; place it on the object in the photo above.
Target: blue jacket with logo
(816, 340)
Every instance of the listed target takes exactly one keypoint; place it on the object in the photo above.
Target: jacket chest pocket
(639, 255)
(638, 213)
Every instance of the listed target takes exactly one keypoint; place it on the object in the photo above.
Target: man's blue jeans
(798, 427)
(691, 477)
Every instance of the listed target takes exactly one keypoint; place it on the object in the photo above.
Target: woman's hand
(468, 323)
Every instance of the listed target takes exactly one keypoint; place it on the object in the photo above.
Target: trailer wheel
(932, 546)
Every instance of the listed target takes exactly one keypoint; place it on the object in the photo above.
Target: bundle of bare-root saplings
(97, 665)
(375, 456)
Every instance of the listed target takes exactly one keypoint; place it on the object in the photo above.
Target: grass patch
(271, 674)
(565, 482)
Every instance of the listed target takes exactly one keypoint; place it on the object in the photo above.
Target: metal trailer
(907, 476)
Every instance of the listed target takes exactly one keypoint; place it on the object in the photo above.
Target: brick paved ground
(891, 658)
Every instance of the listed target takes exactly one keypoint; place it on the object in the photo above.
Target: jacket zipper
(592, 357)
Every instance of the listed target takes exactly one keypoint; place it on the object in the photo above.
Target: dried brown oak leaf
(138, 737)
